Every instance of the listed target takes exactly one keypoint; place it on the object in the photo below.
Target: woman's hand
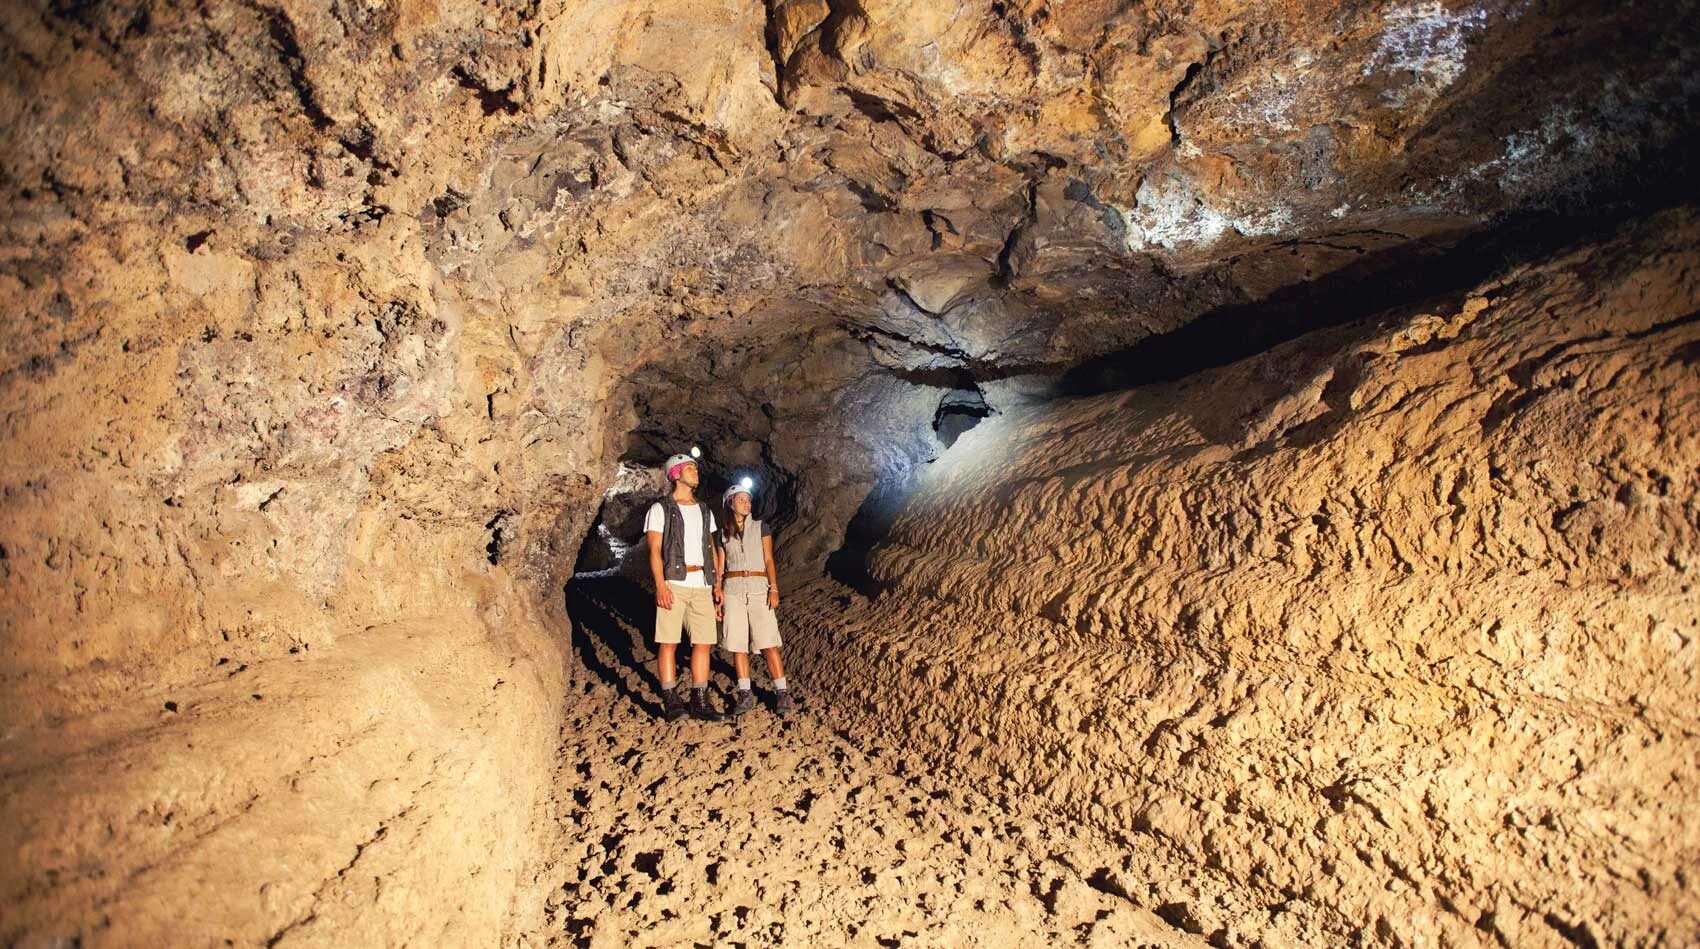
(719, 594)
(772, 598)
(719, 611)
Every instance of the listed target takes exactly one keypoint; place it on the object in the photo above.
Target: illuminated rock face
(1411, 600)
(332, 324)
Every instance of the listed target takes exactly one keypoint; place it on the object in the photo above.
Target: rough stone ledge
(290, 803)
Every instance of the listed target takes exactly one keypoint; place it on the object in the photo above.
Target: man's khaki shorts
(693, 607)
(749, 623)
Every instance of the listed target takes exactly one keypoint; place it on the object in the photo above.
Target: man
(681, 560)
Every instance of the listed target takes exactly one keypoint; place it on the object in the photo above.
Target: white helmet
(674, 462)
(733, 491)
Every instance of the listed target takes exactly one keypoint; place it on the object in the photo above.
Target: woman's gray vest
(673, 542)
(744, 553)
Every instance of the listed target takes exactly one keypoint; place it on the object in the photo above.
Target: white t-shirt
(656, 520)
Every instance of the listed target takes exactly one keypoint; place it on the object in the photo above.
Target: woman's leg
(738, 643)
(764, 635)
(736, 630)
(743, 700)
(782, 702)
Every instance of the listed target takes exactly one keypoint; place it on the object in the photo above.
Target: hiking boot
(701, 710)
(672, 707)
(743, 703)
(782, 702)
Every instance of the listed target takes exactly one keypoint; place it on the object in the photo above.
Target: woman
(747, 586)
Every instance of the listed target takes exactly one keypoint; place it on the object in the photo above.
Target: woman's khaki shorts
(693, 607)
(750, 625)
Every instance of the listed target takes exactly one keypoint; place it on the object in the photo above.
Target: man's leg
(699, 665)
(666, 664)
(699, 619)
(668, 627)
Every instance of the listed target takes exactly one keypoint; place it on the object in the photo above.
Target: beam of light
(746, 483)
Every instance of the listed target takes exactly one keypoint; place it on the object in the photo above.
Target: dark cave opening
(502, 532)
(959, 411)
(870, 525)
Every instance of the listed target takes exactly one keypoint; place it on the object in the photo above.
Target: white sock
(743, 685)
(779, 684)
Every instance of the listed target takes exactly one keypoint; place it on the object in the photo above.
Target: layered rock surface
(332, 324)
(1394, 624)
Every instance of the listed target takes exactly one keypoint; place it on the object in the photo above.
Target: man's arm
(663, 592)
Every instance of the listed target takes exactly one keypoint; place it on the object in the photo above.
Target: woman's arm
(719, 570)
(772, 572)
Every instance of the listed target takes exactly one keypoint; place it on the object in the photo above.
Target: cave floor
(765, 831)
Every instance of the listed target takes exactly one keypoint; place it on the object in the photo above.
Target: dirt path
(768, 832)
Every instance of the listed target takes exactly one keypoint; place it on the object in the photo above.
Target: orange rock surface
(1326, 532)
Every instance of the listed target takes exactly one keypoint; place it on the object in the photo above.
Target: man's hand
(719, 611)
(658, 571)
(772, 598)
(719, 594)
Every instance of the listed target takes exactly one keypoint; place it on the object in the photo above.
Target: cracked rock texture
(334, 324)
(1394, 625)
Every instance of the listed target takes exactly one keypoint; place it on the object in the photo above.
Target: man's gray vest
(673, 542)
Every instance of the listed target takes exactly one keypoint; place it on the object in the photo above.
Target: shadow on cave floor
(849, 564)
(676, 833)
(608, 609)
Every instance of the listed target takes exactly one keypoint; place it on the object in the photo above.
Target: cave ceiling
(817, 217)
(995, 190)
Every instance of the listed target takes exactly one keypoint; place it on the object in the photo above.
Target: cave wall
(1391, 628)
(260, 673)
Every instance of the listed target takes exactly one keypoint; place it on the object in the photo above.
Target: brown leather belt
(745, 573)
(691, 569)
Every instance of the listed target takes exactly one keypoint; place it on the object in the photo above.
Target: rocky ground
(769, 831)
(327, 797)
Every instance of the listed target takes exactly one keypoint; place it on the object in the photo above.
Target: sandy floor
(767, 831)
